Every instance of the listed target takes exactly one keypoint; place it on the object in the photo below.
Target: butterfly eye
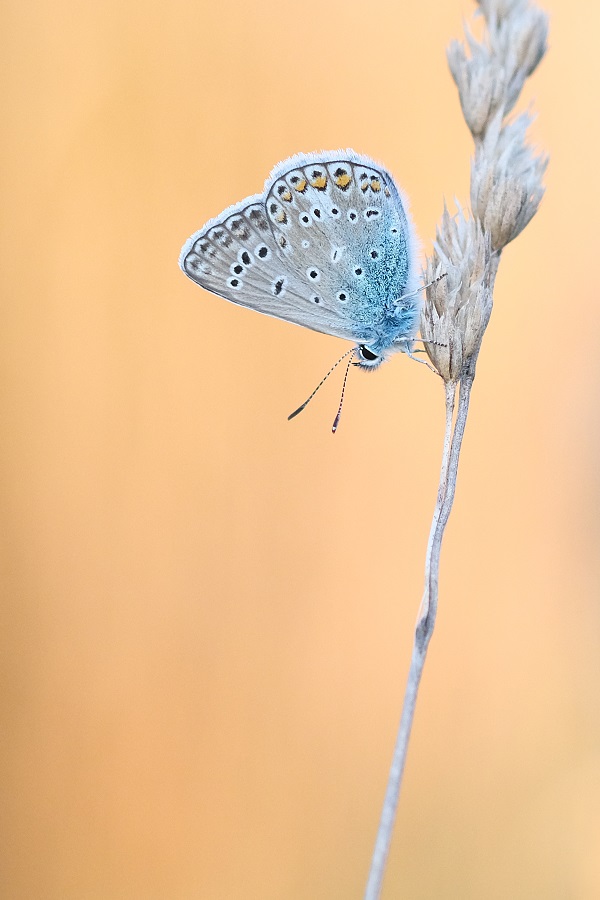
(367, 354)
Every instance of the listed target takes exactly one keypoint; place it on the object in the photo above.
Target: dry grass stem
(506, 191)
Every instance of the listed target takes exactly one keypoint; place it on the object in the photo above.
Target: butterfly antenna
(336, 421)
(422, 288)
(320, 384)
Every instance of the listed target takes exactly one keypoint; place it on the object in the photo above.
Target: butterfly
(329, 245)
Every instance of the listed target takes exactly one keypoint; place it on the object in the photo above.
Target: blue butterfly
(329, 244)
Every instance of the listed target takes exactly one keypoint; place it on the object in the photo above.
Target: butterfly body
(329, 245)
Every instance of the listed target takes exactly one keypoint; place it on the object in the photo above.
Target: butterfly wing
(237, 256)
(329, 246)
(347, 230)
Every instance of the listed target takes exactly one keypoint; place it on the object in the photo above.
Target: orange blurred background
(207, 611)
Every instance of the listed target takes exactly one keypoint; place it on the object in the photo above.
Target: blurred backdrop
(207, 611)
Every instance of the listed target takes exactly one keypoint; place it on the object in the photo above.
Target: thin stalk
(468, 249)
(432, 570)
(423, 632)
(453, 438)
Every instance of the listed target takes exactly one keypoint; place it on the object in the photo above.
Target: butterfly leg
(423, 362)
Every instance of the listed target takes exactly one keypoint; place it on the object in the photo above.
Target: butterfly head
(370, 356)
(367, 358)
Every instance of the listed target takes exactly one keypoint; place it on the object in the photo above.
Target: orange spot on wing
(343, 181)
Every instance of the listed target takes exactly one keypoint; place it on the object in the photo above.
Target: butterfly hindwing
(237, 256)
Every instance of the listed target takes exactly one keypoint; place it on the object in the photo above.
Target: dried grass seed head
(506, 181)
(457, 308)
(520, 42)
(491, 78)
(481, 83)
(500, 9)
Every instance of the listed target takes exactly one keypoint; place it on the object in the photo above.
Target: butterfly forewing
(347, 226)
